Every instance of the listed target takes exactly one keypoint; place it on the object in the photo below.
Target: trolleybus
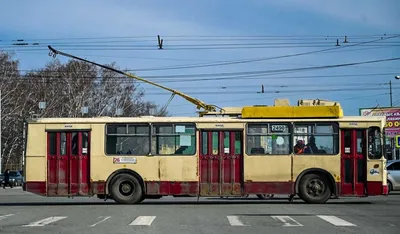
(311, 151)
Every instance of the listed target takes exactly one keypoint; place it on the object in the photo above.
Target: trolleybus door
(353, 161)
(220, 162)
(68, 163)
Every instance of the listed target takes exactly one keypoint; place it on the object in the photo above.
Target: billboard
(392, 118)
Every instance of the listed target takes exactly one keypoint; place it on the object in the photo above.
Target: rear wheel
(126, 189)
(265, 196)
(314, 188)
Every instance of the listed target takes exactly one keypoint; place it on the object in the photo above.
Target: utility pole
(390, 92)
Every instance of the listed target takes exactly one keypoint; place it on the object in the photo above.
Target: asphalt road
(22, 212)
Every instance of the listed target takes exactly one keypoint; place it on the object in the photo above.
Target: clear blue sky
(297, 20)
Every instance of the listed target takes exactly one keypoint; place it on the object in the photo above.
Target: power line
(225, 37)
(240, 92)
(242, 77)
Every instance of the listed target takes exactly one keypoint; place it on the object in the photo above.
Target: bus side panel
(35, 161)
(267, 174)
(376, 178)
(178, 176)
(328, 163)
(102, 165)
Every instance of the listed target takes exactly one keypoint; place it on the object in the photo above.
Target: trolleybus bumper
(385, 190)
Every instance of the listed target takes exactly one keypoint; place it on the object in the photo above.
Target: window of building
(316, 138)
(174, 139)
(128, 139)
(268, 138)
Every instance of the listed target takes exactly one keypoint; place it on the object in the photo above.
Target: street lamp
(390, 89)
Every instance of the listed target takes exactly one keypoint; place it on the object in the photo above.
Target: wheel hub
(126, 188)
(315, 188)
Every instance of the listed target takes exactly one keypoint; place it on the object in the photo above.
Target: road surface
(21, 212)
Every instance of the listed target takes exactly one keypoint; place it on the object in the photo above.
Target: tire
(390, 186)
(126, 189)
(265, 196)
(314, 189)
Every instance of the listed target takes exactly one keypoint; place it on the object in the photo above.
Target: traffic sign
(398, 141)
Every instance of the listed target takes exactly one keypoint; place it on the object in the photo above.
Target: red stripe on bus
(376, 188)
(268, 187)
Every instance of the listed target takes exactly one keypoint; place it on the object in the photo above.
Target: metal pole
(390, 86)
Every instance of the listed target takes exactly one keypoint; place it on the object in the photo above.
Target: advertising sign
(392, 118)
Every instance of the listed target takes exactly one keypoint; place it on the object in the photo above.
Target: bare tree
(65, 88)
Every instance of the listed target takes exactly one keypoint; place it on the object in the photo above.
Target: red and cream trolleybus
(310, 150)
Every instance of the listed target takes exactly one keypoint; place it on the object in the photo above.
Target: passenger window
(74, 143)
(227, 142)
(374, 143)
(85, 143)
(204, 142)
(238, 143)
(360, 141)
(124, 139)
(215, 143)
(63, 145)
(52, 143)
(316, 138)
(174, 139)
(347, 142)
(271, 138)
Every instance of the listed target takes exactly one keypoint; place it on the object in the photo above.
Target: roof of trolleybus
(151, 119)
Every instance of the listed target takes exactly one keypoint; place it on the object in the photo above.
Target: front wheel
(126, 189)
(314, 189)
(390, 186)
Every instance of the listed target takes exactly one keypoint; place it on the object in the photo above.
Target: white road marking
(287, 220)
(104, 219)
(45, 221)
(335, 220)
(235, 221)
(5, 216)
(143, 220)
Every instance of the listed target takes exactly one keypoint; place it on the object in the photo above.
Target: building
(392, 127)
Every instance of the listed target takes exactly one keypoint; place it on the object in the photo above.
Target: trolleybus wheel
(314, 188)
(126, 189)
(265, 196)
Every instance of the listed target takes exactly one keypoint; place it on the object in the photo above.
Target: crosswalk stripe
(45, 221)
(335, 220)
(235, 221)
(5, 216)
(287, 220)
(143, 221)
(104, 219)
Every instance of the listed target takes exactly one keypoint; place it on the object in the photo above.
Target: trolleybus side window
(374, 143)
(128, 139)
(174, 139)
(316, 138)
(268, 138)
(52, 143)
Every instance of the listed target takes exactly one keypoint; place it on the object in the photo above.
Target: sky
(262, 33)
